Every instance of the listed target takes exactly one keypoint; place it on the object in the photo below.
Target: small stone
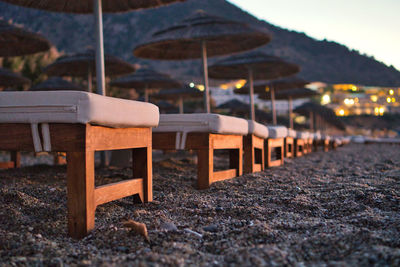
(168, 226)
(211, 228)
(122, 249)
(219, 209)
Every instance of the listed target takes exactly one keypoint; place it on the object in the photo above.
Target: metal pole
(252, 111)
(89, 79)
(205, 73)
(291, 113)
(274, 122)
(100, 76)
(180, 102)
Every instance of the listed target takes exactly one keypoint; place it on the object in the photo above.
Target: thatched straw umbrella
(84, 65)
(146, 79)
(56, 84)
(16, 41)
(253, 66)
(200, 36)
(327, 114)
(289, 95)
(186, 92)
(9, 78)
(96, 7)
(261, 87)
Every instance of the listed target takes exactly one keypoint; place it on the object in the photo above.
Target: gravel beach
(340, 208)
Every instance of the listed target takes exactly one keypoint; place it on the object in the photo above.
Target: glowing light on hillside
(341, 112)
(374, 98)
(381, 110)
(200, 87)
(389, 100)
(349, 101)
(391, 92)
(326, 99)
(393, 99)
(191, 85)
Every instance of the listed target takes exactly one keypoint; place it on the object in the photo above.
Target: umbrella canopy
(180, 94)
(84, 7)
(80, 64)
(279, 84)
(185, 92)
(16, 41)
(199, 36)
(9, 78)
(325, 113)
(145, 79)
(290, 93)
(56, 84)
(96, 7)
(184, 40)
(264, 67)
(252, 65)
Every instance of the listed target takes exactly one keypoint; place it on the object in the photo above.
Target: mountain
(324, 61)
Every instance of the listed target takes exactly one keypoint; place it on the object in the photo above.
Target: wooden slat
(205, 168)
(114, 191)
(275, 163)
(257, 167)
(164, 141)
(6, 165)
(102, 138)
(258, 142)
(142, 168)
(222, 141)
(16, 137)
(223, 175)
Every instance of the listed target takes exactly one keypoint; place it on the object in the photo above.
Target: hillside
(320, 60)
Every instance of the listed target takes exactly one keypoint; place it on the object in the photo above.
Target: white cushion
(277, 131)
(258, 129)
(317, 136)
(291, 133)
(201, 122)
(75, 107)
(302, 135)
(326, 137)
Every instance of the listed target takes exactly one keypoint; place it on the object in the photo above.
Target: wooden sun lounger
(80, 141)
(204, 133)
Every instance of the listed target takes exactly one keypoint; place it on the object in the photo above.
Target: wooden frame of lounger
(278, 145)
(80, 141)
(323, 143)
(289, 147)
(253, 148)
(15, 161)
(205, 144)
(309, 145)
(299, 147)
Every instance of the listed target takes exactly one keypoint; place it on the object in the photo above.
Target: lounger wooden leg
(249, 154)
(16, 158)
(205, 168)
(280, 154)
(236, 160)
(142, 168)
(80, 192)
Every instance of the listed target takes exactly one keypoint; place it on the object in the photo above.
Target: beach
(338, 208)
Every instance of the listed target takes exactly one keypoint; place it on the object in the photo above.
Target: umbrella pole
(100, 76)
(274, 122)
(311, 121)
(180, 102)
(252, 111)
(89, 80)
(205, 73)
(291, 113)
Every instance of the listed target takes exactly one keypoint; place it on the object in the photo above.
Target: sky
(370, 26)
